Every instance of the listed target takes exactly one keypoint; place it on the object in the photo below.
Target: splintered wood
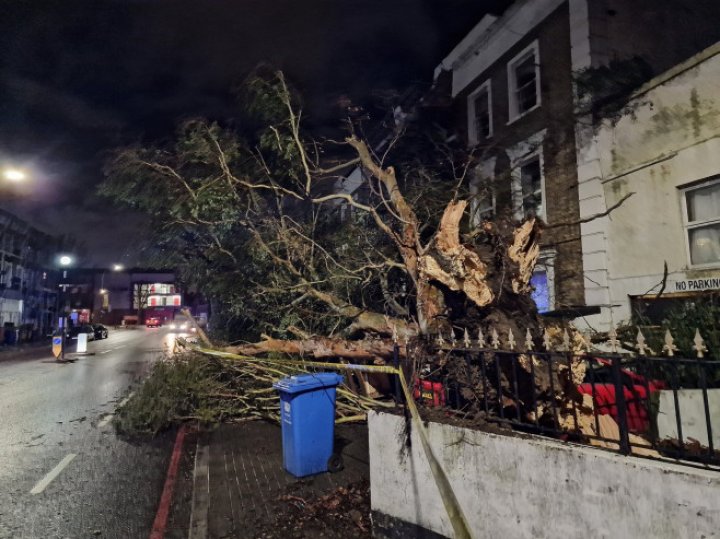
(453, 264)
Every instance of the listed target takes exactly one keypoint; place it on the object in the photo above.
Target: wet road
(63, 471)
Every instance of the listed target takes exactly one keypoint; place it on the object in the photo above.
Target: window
(480, 114)
(529, 199)
(482, 192)
(543, 282)
(702, 223)
(524, 82)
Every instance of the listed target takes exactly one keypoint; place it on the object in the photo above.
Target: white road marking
(45, 481)
(201, 493)
(105, 420)
(105, 351)
(126, 399)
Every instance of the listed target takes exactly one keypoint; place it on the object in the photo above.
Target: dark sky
(78, 78)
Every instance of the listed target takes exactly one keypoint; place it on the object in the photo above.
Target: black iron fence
(658, 407)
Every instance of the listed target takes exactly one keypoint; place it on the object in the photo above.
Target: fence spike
(566, 340)
(395, 334)
(699, 347)
(669, 345)
(529, 340)
(511, 339)
(494, 339)
(453, 342)
(641, 346)
(546, 340)
(466, 339)
(481, 338)
(613, 340)
(440, 339)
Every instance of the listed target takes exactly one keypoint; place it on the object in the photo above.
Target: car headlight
(173, 326)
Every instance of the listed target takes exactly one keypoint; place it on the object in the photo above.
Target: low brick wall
(532, 487)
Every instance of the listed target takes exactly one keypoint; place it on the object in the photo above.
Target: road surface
(63, 471)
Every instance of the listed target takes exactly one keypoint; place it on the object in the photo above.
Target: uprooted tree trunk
(458, 285)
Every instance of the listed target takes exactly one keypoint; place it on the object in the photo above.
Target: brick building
(513, 84)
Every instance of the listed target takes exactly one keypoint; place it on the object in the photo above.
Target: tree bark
(322, 348)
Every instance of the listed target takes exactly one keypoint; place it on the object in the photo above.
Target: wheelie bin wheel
(335, 463)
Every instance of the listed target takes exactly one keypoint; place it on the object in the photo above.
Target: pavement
(23, 350)
(233, 484)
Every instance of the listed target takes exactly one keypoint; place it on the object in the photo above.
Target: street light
(64, 261)
(118, 267)
(14, 175)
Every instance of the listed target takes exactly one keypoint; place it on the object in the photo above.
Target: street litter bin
(307, 416)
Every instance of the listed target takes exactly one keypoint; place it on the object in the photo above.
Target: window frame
(517, 193)
(473, 135)
(687, 225)
(513, 104)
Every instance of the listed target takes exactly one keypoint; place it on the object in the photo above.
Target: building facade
(514, 86)
(136, 293)
(27, 280)
(663, 243)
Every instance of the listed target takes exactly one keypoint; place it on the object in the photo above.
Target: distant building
(515, 98)
(27, 280)
(106, 296)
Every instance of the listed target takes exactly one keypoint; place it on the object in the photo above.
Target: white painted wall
(536, 488)
(692, 415)
(671, 139)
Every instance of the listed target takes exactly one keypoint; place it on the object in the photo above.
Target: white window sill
(528, 111)
(698, 267)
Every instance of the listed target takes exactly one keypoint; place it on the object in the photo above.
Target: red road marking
(161, 517)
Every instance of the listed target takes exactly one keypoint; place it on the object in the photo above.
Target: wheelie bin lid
(307, 382)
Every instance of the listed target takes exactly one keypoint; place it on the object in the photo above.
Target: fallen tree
(254, 222)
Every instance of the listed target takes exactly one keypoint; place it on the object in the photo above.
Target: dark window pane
(531, 183)
(525, 83)
(482, 115)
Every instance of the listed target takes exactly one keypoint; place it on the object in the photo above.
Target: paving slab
(247, 487)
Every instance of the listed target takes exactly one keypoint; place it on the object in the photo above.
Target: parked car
(101, 332)
(153, 322)
(87, 329)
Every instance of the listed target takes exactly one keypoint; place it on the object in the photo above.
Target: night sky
(80, 78)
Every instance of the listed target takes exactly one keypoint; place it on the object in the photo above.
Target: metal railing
(657, 407)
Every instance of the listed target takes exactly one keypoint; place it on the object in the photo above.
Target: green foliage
(174, 390)
(683, 320)
(609, 86)
(698, 314)
(231, 212)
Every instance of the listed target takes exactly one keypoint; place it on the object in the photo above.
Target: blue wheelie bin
(307, 416)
